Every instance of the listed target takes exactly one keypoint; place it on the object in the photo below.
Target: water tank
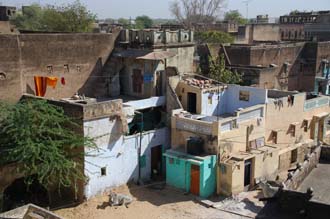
(195, 146)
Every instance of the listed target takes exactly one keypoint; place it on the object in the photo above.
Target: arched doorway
(19, 194)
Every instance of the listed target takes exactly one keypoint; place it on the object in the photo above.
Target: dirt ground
(166, 203)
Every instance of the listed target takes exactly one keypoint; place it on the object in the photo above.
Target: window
(294, 155)
(209, 98)
(103, 171)
(257, 143)
(305, 125)
(244, 95)
(2, 76)
(273, 137)
(292, 130)
(66, 68)
(50, 69)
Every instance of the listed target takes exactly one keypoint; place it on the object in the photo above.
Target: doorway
(247, 173)
(194, 179)
(159, 83)
(137, 80)
(192, 100)
(156, 163)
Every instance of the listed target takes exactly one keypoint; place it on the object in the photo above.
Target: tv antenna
(247, 2)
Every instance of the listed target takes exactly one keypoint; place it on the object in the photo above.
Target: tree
(219, 72)
(190, 12)
(30, 19)
(218, 37)
(234, 15)
(67, 18)
(143, 21)
(41, 139)
(125, 22)
(294, 12)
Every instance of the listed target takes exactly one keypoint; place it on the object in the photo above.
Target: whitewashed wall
(118, 153)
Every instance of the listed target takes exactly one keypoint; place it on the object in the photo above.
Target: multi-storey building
(226, 137)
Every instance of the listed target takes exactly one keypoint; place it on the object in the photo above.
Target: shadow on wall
(95, 85)
(29, 90)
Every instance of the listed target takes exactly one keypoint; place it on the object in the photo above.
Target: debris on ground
(29, 211)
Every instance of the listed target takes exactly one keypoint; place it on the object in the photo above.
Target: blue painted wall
(229, 100)
(178, 173)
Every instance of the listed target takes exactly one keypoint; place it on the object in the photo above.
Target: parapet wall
(302, 172)
(78, 58)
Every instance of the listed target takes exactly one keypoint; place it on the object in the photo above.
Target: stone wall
(78, 58)
(296, 178)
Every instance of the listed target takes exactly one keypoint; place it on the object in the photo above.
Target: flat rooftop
(318, 179)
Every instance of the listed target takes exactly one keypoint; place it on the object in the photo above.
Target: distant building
(262, 19)
(6, 13)
(284, 66)
(143, 59)
(258, 32)
(305, 26)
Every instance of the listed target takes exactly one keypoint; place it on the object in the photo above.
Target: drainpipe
(139, 149)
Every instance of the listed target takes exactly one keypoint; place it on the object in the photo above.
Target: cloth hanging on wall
(52, 81)
(40, 85)
(63, 81)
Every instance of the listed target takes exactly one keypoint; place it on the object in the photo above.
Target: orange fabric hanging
(40, 85)
(52, 81)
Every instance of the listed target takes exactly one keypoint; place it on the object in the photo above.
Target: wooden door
(137, 80)
(194, 179)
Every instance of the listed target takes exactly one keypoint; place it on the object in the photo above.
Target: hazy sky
(160, 8)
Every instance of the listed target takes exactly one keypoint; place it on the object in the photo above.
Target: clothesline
(41, 83)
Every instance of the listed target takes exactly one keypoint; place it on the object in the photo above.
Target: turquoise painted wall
(178, 174)
(208, 176)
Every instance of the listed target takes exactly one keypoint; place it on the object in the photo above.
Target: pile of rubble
(199, 83)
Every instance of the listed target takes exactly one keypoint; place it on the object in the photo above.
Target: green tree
(218, 71)
(143, 21)
(67, 18)
(234, 15)
(125, 22)
(43, 141)
(30, 19)
(213, 37)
